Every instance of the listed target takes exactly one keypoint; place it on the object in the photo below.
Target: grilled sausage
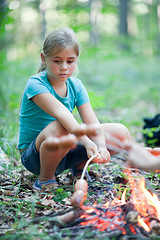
(81, 184)
(78, 198)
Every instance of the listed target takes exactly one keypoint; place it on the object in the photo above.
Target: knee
(48, 135)
(63, 143)
(56, 129)
(124, 132)
(50, 143)
(117, 130)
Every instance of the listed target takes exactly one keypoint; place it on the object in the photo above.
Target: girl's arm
(48, 103)
(88, 117)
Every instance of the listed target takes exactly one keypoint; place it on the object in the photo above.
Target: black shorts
(31, 160)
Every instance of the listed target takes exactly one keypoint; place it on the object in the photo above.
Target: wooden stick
(86, 165)
(61, 220)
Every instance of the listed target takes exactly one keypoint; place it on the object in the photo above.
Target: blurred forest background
(119, 63)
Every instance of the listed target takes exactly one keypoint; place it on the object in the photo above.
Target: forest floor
(28, 214)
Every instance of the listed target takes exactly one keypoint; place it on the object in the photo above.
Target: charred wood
(155, 227)
(132, 216)
(61, 220)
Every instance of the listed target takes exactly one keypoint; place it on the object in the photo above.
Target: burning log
(93, 233)
(155, 226)
(61, 220)
(132, 216)
(69, 217)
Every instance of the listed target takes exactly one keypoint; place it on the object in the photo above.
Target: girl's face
(60, 66)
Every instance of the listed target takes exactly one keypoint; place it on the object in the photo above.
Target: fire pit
(136, 218)
(133, 215)
(139, 215)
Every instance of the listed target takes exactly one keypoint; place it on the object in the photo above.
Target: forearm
(57, 110)
(88, 117)
(67, 120)
(99, 139)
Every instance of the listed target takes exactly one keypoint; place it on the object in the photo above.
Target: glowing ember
(138, 212)
(111, 217)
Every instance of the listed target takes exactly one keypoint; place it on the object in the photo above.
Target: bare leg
(54, 142)
(50, 156)
(115, 130)
(112, 131)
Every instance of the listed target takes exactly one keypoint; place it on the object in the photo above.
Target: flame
(112, 216)
(143, 224)
(145, 198)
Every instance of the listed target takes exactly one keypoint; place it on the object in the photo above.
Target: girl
(46, 114)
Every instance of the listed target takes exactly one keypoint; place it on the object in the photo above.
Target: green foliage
(61, 195)
(96, 101)
(5, 18)
(13, 79)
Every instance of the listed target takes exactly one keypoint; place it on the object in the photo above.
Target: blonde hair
(57, 40)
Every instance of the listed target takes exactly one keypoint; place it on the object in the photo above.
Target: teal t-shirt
(32, 118)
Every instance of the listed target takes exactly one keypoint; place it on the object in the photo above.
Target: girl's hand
(103, 156)
(90, 146)
(91, 149)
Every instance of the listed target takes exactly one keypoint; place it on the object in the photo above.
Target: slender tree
(155, 6)
(3, 12)
(123, 17)
(123, 23)
(42, 8)
(95, 6)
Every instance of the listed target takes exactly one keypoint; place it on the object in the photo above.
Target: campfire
(139, 215)
(133, 215)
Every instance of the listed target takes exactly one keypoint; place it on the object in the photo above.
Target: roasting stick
(86, 165)
(81, 187)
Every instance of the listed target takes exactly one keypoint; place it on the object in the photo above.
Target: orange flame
(143, 224)
(145, 203)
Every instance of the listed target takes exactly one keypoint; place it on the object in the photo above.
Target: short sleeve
(35, 87)
(82, 97)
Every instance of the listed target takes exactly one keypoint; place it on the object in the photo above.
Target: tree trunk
(2, 12)
(155, 5)
(43, 23)
(42, 10)
(123, 23)
(123, 17)
(95, 6)
(2, 3)
(2, 23)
